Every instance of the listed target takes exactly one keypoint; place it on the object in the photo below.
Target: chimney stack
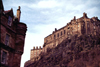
(18, 13)
(84, 15)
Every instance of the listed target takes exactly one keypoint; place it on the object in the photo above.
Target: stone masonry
(80, 26)
(12, 37)
(76, 27)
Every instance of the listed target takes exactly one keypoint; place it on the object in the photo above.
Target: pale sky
(43, 16)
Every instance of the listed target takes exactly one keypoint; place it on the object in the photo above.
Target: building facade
(80, 26)
(12, 36)
(35, 52)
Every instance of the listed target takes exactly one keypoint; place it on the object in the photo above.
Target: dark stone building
(12, 36)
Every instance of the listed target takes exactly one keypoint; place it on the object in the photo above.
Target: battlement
(35, 52)
(37, 48)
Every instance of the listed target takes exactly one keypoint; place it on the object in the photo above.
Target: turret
(20, 36)
(18, 13)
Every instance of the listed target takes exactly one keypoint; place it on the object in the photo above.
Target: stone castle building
(35, 52)
(80, 26)
(12, 36)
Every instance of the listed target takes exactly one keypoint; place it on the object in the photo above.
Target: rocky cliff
(82, 51)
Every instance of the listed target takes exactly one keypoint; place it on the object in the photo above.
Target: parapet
(95, 18)
(35, 48)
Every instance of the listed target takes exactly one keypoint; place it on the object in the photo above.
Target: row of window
(9, 20)
(58, 34)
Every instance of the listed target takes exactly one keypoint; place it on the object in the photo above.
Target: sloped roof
(9, 12)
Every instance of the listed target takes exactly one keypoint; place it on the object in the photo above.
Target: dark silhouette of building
(12, 36)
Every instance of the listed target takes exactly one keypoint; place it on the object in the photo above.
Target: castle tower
(19, 45)
(18, 13)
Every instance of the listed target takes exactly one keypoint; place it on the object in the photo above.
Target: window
(68, 27)
(64, 31)
(7, 39)
(94, 27)
(88, 25)
(58, 34)
(4, 57)
(78, 25)
(54, 36)
(9, 20)
(61, 32)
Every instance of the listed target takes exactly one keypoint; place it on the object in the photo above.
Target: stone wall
(35, 52)
(80, 26)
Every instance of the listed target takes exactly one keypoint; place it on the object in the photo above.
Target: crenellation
(35, 52)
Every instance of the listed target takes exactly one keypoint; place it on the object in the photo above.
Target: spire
(18, 13)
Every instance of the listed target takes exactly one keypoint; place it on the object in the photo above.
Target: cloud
(43, 16)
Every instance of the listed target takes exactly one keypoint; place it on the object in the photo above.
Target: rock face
(82, 51)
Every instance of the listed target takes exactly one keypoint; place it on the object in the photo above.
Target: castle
(80, 26)
(12, 37)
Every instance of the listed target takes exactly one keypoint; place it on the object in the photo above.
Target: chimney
(74, 18)
(84, 15)
(55, 29)
(18, 13)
